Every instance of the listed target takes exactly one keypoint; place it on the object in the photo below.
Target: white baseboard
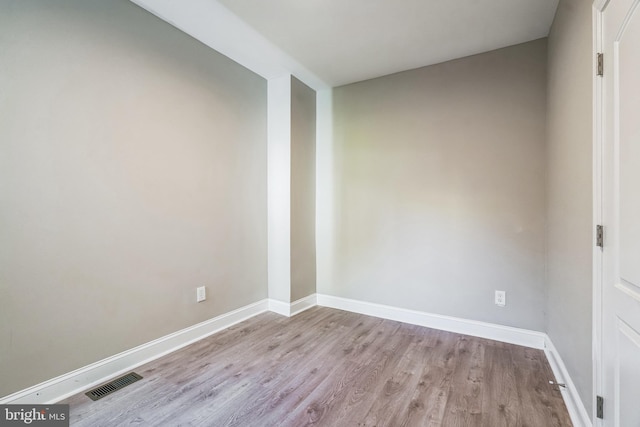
(280, 307)
(303, 304)
(291, 309)
(475, 328)
(575, 406)
(66, 385)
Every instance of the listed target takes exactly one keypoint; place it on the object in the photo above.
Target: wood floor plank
(359, 354)
(398, 380)
(286, 395)
(500, 404)
(328, 367)
(367, 388)
(426, 406)
(464, 408)
(221, 389)
(281, 377)
(537, 396)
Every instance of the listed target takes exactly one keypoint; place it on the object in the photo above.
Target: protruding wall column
(291, 175)
(279, 188)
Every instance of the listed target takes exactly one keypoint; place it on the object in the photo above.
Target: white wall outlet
(501, 298)
(201, 294)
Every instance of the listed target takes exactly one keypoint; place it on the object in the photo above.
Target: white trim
(66, 385)
(291, 309)
(577, 411)
(303, 304)
(596, 341)
(279, 307)
(508, 334)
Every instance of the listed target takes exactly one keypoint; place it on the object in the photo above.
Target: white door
(621, 213)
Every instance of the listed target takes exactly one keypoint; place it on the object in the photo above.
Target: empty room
(332, 213)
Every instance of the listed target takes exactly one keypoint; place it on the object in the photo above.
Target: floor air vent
(115, 385)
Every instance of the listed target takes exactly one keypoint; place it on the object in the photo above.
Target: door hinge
(599, 236)
(600, 64)
(599, 407)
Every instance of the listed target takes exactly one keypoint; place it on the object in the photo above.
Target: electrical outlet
(201, 294)
(501, 298)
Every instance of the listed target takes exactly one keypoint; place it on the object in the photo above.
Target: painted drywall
(325, 212)
(569, 191)
(132, 169)
(439, 188)
(303, 194)
(279, 188)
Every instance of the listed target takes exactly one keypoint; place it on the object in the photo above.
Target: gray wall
(569, 191)
(132, 169)
(303, 195)
(440, 192)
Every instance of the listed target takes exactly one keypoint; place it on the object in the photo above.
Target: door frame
(598, 206)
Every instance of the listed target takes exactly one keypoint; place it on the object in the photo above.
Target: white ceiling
(334, 42)
(344, 41)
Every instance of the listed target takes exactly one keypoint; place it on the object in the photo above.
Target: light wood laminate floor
(329, 367)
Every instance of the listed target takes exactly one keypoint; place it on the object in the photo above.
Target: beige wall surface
(569, 191)
(132, 170)
(303, 195)
(439, 187)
